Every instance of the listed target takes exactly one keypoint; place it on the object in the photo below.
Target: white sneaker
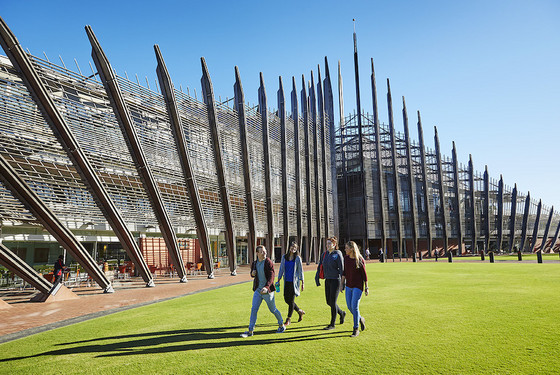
(247, 334)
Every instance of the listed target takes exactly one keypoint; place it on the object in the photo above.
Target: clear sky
(485, 72)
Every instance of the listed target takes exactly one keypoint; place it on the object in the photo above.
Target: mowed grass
(422, 318)
(527, 257)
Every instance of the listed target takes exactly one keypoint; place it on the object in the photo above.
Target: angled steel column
(295, 117)
(411, 181)
(473, 205)
(442, 189)
(360, 141)
(343, 219)
(263, 109)
(425, 185)
(168, 93)
(19, 189)
(525, 221)
(486, 210)
(124, 119)
(321, 123)
(555, 238)
(500, 218)
(16, 265)
(305, 111)
(457, 201)
(547, 229)
(283, 141)
(512, 218)
(208, 94)
(536, 227)
(395, 168)
(314, 126)
(240, 108)
(378, 156)
(329, 110)
(73, 150)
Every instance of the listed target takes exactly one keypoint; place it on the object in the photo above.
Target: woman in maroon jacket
(262, 270)
(356, 277)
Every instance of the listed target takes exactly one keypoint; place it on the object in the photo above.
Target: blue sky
(484, 72)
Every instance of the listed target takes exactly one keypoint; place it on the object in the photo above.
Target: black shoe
(362, 323)
(342, 316)
(328, 328)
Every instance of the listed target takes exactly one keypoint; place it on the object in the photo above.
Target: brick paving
(24, 318)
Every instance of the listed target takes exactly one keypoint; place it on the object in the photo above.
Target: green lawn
(421, 318)
(527, 257)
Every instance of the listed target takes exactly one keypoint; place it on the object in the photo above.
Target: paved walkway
(25, 318)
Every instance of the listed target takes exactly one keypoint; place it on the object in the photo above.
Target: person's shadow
(183, 340)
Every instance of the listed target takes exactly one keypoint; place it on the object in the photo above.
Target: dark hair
(334, 240)
(288, 254)
(61, 256)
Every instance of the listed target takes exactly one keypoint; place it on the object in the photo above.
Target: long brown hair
(356, 251)
(289, 254)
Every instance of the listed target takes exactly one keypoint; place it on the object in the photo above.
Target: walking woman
(262, 270)
(291, 267)
(356, 277)
(333, 267)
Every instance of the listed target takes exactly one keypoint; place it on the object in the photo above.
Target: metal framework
(125, 120)
(168, 92)
(263, 105)
(208, 92)
(418, 198)
(297, 164)
(16, 265)
(87, 153)
(314, 154)
(74, 152)
(240, 107)
(64, 236)
(126, 159)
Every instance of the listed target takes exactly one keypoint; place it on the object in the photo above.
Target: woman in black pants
(291, 268)
(333, 266)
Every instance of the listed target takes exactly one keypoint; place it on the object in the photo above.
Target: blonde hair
(356, 251)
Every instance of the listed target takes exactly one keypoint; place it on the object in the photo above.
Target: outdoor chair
(153, 270)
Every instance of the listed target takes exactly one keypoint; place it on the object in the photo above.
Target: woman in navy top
(291, 268)
(333, 267)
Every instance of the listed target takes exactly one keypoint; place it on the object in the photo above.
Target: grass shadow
(179, 341)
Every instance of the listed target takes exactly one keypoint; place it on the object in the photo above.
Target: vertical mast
(360, 141)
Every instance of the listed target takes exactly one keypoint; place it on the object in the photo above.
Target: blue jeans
(353, 296)
(257, 300)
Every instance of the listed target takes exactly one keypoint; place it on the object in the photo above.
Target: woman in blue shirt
(291, 267)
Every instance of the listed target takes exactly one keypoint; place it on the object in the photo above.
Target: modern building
(112, 162)
(104, 168)
(409, 200)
